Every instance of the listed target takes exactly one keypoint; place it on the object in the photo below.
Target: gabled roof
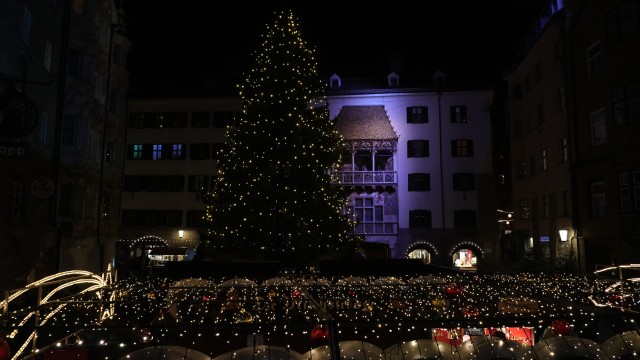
(365, 123)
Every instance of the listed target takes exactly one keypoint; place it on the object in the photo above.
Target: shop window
(422, 254)
(465, 259)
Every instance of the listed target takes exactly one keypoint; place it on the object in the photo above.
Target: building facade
(58, 140)
(574, 116)
(416, 169)
(171, 152)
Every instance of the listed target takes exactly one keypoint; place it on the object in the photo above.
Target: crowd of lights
(287, 309)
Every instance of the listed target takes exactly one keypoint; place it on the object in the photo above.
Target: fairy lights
(272, 195)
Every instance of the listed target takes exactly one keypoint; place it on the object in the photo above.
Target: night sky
(202, 48)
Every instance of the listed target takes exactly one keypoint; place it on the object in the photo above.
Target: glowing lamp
(564, 234)
(180, 233)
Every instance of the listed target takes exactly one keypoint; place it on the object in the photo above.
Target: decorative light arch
(466, 244)
(142, 239)
(422, 245)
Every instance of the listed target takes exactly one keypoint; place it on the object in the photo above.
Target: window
(540, 114)
(464, 219)
(464, 182)
(48, 55)
(78, 6)
(116, 54)
(593, 60)
(69, 130)
(109, 154)
(43, 128)
(521, 167)
(461, 148)
(545, 207)
(419, 182)
(623, 23)
(216, 150)
(196, 218)
(598, 128)
(25, 25)
(565, 149)
(105, 205)
(629, 188)
(156, 153)
(525, 210)
(562, 98)
(558, 50)
(518, 127)
(516, 91)
(74, 62)
(222, 119)
(538, 72)
(626, 104)
(417, 148)
(458, 114)
(135, 152)
(198, 183)
(114, 102)
(200, 119)
(543, 156)
(598, 200)
(417, 115)
(176, 152)
(136, 120)
(175, 119)
(420, 219)
(365, 211)
(200, 151)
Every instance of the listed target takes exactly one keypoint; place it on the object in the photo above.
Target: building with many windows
(574, 119)
(63, 82)
(416, 169)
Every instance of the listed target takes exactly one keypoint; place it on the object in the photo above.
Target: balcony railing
(376, 228)
(364, 177)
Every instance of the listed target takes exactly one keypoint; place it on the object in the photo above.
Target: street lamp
(564, 235)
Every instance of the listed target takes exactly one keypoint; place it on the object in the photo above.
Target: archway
(422, 250)
(466, 256)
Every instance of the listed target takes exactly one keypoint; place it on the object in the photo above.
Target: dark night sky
(202, 47)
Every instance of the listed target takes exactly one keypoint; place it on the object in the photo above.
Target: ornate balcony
(364, 177)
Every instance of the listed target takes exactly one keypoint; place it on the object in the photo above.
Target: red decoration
(454, 289)
(320, 334)
(561, 327)
(5, 351)
(296, 294)
(470, 311)
(351, 293)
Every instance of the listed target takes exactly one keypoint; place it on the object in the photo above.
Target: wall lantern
(181, 234)
(564, 233)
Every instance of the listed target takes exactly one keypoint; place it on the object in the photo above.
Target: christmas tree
(272, 196)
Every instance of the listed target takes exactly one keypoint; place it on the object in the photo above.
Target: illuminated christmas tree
(272, 196)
